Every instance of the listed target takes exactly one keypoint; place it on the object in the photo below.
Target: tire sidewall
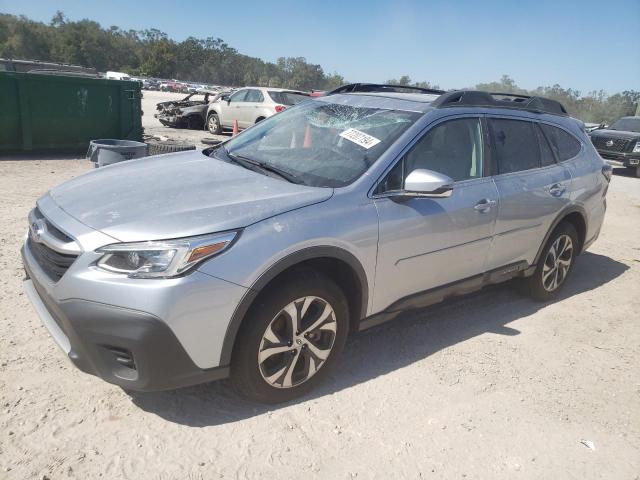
(245, 371)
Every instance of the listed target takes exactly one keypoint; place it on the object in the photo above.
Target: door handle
(557, 189)
(484, 205)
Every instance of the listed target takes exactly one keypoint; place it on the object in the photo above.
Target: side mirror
(427, 183)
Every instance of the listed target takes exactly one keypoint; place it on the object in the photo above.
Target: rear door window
(254, 96)
(287, 98)
(238, 96)
(565, 145)
(515, 146)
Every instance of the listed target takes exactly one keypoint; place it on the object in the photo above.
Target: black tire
(213, 124)
(259, 119)
(538, 287)
(247, 372)
(158, 147)
(635, 171)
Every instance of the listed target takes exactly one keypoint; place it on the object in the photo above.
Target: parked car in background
(117, 76)
(150, 84)
(250, 105)
(257, 258)
(620, 142)
(190, 112)
(172, 86)
(590, 127)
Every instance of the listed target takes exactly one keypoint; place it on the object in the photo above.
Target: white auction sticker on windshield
(360, 138)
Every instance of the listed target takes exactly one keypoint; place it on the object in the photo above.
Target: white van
(117, 76)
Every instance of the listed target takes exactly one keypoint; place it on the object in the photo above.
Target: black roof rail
(462, 98)
(380, 87)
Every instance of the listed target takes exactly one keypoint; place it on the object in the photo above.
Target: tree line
(594, 107)
(152, 53)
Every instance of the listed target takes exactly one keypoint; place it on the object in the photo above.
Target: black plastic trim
(279, 267)
(438, 294)
(561, 216)
(95, 330)
(472, 98)
(380, 87)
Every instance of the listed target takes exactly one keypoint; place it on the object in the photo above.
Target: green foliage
(595, 107)
(152, 53)
(405, 80)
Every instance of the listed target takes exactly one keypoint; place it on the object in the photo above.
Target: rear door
(429, 242)
(533, 189)
(252, 108)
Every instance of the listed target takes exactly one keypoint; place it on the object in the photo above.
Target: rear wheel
(290, 339)
(555, 265)
(213, 124)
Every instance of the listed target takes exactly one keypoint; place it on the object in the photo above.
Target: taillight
(280, 108)
(607, 171)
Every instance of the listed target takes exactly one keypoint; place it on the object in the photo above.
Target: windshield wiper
(249, 163)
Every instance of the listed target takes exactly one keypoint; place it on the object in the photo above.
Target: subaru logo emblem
(609, 143)
(37, 229)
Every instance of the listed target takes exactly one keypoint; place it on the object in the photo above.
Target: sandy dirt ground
(491, 386)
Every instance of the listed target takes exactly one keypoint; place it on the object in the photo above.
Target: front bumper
(169, 120)
(142, 334)
(627, 159)
(125, 347)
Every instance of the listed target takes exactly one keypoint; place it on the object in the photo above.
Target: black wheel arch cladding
(300, 258)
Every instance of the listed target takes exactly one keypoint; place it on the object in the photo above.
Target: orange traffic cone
(235, 128)
(307, 137)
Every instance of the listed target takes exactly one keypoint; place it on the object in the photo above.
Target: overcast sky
(586, 45)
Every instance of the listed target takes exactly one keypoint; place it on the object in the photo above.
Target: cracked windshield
(321, 144)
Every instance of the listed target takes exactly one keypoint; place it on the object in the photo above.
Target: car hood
(615, 134)
(178, 195)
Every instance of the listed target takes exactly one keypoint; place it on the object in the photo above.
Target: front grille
(51, 228)
(53, 263)
(618, 144)
(611, 156)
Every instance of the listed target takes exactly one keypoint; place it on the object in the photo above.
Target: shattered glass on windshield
(323, 144)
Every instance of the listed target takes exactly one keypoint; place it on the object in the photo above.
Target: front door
(430, 242)
(231, 110)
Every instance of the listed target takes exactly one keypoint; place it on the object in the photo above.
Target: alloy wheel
(213, 123)
(557, 263)
(297, 342)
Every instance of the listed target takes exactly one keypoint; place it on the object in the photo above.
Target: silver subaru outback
(256, 258)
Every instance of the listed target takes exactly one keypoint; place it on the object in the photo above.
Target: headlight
(636, 149)
(164, 258)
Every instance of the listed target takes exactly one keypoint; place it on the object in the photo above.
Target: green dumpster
(63, 113)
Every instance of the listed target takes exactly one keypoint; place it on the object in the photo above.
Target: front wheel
(290, 339)
(555, 265)
(213, 124)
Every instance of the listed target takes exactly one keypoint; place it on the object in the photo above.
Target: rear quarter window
(288, 98)
(564, 145)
